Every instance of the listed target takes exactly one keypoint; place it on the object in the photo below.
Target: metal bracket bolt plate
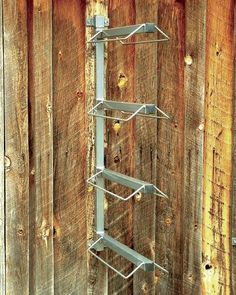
(97, 21)
(234, 241)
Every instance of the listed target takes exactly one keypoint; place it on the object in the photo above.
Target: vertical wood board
(144, 215)
(217, 182)
(69, 149)
(194, 93)
(2, 152)
(120, 144)
(16, 146)
(41, 147)
(170, 148)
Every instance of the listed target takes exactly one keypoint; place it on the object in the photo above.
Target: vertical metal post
(100, 82)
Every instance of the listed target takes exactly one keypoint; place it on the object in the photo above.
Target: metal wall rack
(128, 111)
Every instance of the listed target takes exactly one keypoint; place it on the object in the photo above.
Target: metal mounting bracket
(234, 241)
(97, 21)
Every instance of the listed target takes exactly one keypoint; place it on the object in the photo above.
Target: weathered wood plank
(233, 252)
(170, 148)
(145, 147)
(16, 146)
(194, 93)
(2, 152)
(218, 149)
(97, 272)
(41, 147)
(120, 143)
(69, 149)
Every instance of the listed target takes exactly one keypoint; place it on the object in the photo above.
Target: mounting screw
(234, 241)
(90, 22)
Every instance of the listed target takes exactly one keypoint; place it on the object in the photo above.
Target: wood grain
(69, 150)
(217, 182)
(120, 144)
(194, 91)
(16, 147)
(170, 148)
(41, 147)
(2, 152)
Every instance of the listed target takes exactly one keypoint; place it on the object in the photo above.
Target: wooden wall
(47, 148)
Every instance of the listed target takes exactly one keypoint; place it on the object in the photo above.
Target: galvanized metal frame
(98, 179)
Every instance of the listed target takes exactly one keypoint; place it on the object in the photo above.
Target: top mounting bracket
(122, 34)
(98, 21)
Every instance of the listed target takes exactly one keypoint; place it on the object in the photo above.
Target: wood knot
(80, 94)
(208, 266)
(116, 159)
(20, 232)
(7, 163)
(122, 81)
(116, 127)
(188, 60)
(138, 196)
(45, 232)
(157, 279)
(168, 221)
(49, 107)
(145, 288)
(201, 127)
(60, 54)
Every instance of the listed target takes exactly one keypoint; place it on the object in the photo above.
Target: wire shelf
(131, 255)
(126, 108)
(122, 34)
(127, 181)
